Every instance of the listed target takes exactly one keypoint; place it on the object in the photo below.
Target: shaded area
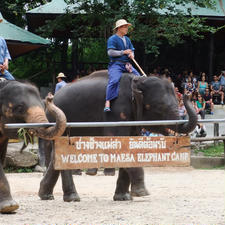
(20, 41)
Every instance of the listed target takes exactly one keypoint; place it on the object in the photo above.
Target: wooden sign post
(113, 152)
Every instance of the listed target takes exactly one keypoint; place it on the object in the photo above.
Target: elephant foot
(71, 198)
(8, 206)
(40, 169)
(122, 197)
(109, 172)
(139, 192)
(92, 172)
(44, 196)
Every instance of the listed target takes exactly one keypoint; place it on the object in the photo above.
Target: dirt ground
(178, 196)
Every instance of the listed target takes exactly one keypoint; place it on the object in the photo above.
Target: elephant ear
(137, 97)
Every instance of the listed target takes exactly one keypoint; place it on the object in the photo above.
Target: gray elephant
(140, 98)
(21, 103)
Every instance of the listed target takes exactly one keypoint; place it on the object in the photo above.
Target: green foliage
(24, 135)
(38, 66)
(93, 50)
(213, 151)
(18, 170)
(14, 10)
(155, 22)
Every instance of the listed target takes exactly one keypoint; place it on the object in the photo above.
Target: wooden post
(211, 56)
(224, 149)
(74, 58)
(216, 132)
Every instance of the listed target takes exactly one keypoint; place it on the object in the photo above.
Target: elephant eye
(19, 109)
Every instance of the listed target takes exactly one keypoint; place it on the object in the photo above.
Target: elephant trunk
(37, 115)
(193, 118)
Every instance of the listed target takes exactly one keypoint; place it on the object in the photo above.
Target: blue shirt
(116, 43)
(59, 85)
(222, 80)
(4, 52)
(216, 85)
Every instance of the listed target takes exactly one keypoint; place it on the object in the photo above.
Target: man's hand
(131, 55)
(2, 68)
(6, 65)
(127, 51)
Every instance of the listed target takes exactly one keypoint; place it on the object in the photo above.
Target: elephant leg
(122, 186)
(44, 152)
(41, 152)
(109, 171)
(137, 181)
(92, 171)
(77, 172)
(7, 204)
(69, 191)
(48, 182)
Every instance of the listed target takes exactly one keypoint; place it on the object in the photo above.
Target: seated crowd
(202, 93)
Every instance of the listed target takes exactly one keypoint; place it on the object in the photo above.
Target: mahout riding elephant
(140, 98)
(21, 103)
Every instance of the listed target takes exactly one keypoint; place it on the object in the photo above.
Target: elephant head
(155, 99)
(21, 103)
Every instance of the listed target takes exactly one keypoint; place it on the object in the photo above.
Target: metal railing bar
(110, 124)
(200, 139)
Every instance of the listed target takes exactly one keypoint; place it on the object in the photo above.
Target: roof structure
(217, 12)
(37, 17)
(53, 7)
(60, 7)
(20, 41)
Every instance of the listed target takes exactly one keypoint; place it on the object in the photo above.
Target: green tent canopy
(20, 41)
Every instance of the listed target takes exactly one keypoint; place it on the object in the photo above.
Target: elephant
(20, 102)
(140, 98)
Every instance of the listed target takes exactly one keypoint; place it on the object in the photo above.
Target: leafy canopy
(155, 22)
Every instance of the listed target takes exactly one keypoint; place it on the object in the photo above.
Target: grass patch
(11, 169)
(213, 151)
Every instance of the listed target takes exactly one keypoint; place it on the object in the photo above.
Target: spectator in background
(216, 89)
(222, 81)
(155, 73)
(144, 132)
(178, 94)
(202, 84)
(170, 80)
(208, 101)
(61, 81)
(195, 96)
(4, 61)
(200, 106)
(194, 79)
(189, 87)
(182, 110)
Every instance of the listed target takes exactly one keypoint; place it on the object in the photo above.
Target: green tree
(90, 22)
(155, 22)
(14, 10)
